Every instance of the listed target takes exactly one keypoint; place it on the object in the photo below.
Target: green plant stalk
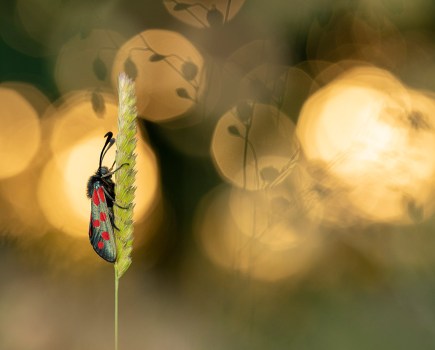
(125, 182)
(116, 309)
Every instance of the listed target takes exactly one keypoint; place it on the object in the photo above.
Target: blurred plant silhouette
(285, 173)
(213, 16)
(186, 69)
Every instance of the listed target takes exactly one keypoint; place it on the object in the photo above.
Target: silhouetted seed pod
(269, 174)
(99, 68)
(156, 57)
(181, 6)
(215, 17)
(98, 104)
(130, 68)
(244, 112)
(182, 92)
(232, 129)
(189, 70)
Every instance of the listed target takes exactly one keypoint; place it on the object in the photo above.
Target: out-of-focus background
(286, 173)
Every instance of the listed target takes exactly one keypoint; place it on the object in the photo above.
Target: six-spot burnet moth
(101, 191)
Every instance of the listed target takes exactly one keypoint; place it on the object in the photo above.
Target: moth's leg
(114, 171)
(112, 219)
(112, 199)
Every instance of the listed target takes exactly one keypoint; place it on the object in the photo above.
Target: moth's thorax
(98, 178)
(101, 171)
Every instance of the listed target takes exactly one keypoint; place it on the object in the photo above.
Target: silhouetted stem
(245, 153)
(227, 12)
(116, 309)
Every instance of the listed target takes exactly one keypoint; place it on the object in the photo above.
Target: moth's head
(103, 170)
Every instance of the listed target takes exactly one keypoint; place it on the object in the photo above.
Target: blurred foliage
(365, 284)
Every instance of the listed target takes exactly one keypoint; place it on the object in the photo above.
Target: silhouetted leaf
(156, 57)
(269, 174)
(181, 6)
(189, 70)
(100, 69)
(98, 103)
(182, 92)
(244, 111)
(130, 68)
(232, 129)
(215, 17)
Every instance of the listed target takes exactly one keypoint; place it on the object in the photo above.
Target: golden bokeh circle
(20, 134)
(373, 136)
(267, 256)
(269, 146)
(168, 73)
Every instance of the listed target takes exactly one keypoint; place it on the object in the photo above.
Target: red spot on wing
(100, 245)
(96, 223)
(95, 198)
(103, 216)
(105, 235)
(101, 194)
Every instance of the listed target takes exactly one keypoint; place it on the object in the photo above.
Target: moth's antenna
(112, 141)
(109, 142)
